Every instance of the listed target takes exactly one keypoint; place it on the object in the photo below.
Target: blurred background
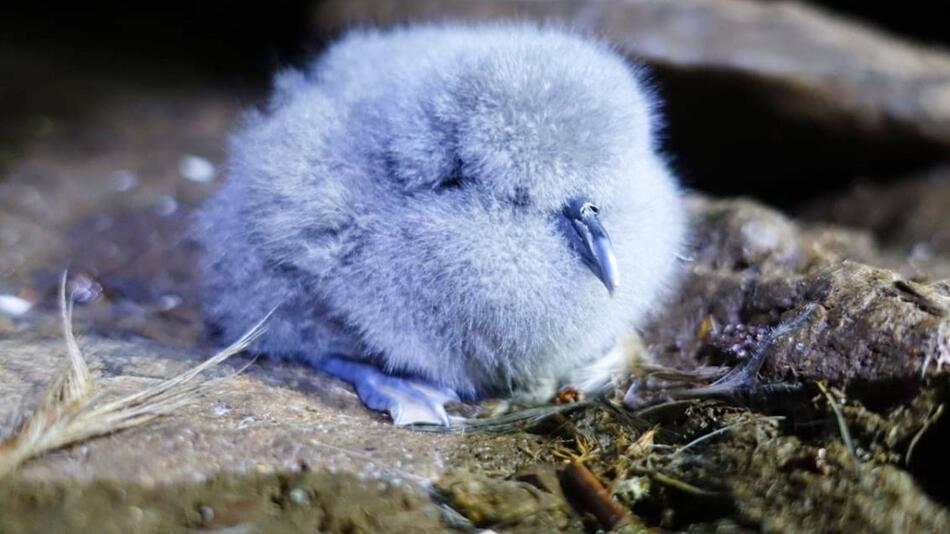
(739, 120)
(114, 116)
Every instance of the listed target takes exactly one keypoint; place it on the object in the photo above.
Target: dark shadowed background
(723, 136)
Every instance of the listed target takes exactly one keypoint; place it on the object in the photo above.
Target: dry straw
(72, 410)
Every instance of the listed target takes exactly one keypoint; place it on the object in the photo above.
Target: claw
(740, 382)
(743, 377)
(408, 401)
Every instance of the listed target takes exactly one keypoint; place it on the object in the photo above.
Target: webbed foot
(408, 401)
(744, 378)
(741, 382)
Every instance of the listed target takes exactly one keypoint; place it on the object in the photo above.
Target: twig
(650, 410)
(920, 433)
(842, 424)
(507, 422)
(591, 496)
(723, 430)
(685, 487)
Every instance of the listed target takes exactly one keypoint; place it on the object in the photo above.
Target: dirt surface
(845, 428)
(278, 503)
(271, 417)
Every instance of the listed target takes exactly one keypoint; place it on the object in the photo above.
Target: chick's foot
(408, 401)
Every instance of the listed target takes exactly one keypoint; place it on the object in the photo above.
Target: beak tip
(598, 251)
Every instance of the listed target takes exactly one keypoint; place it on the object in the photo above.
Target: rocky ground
(846, 293)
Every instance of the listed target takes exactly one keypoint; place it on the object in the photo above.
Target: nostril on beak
(596, 248)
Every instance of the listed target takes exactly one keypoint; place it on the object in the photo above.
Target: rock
(909, 216)
(492, 503)
(815, 56)
(752, 267)
(14, 306)
(782, 483)
(229, 503)
(276, 433)
(273, 417)
(740, 233)
(758, 93)
(813, 501)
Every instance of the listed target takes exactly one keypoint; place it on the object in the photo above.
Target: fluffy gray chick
(428, 208)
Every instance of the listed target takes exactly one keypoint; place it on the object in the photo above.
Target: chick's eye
(453, 180)
(450, 182)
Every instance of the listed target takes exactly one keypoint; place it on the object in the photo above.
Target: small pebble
(264, 469)
(922, 251)
(299, 496)
(206, 513)
(124, 180)
(196, 169)
(168, 302)
(83, 289)
(166, 206)
(136, 514)
(8, 236)
(14, 306)
(103, 222)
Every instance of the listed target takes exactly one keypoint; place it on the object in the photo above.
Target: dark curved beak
(593, 242)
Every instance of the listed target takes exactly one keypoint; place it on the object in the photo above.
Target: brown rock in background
(753, 267)
(910, 216)
(758, 93)
(878, 81)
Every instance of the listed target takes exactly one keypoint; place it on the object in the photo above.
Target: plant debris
(72, 410)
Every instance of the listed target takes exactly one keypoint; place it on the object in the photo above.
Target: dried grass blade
(69, 413)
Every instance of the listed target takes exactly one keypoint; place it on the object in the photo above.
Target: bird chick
(447, 210)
